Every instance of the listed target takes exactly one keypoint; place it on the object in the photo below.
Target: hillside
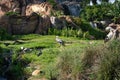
(59, 40)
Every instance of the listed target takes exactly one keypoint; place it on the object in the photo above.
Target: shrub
(98, 34)
(4, 35)
(12, 13)
(109, 68)
(67, 32)
(69, 64)
(102, 61)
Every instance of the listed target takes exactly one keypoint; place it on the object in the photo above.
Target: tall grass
(69, 64)
(109, 68)
(102, 61)
(66, 32)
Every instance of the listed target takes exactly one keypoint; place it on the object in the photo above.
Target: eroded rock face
(9, 5)
(57, 23)
(4, 23)
(27, 22)
(71, 8)
(41, 8)
(23, 24)
(44, 25)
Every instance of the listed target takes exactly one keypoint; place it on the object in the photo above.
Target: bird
(60, 41)
(24, 50)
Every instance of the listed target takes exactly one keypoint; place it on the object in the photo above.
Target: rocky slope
(33, 16)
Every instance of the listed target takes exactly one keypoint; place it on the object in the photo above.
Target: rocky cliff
(33, 16)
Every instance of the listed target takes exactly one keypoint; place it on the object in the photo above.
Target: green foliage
(57, 13)
(103, 60)
(53, 61)
(4, 35)
(51, 71)
(115, 11)
(67, 32)
(69, 63)
(12, 13)
(97, 12)
(96, 33)
(109, 66)
(52, 2)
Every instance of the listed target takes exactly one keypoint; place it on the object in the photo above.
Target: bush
(12, 13)
(67, 32)
(98, 34)
(69, 64)
(109, 68)
(4, 35)
(102, 62)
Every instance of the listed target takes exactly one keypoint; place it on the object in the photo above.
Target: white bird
(25, 49)
(60, 41)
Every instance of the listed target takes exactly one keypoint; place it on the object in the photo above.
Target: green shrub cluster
(97, 33)
(94, 63)
(4, 35)
(69, 64)
(83, 30)
(109, 68)
(12, 13)
(67, 32)
(103, 61)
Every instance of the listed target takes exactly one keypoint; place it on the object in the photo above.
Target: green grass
(50, 50)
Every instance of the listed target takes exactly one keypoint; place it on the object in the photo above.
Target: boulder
(9, 6)
(71, 8)
(69, 21)
(44, 25)
(35, 72)
(23, 24)
(57, 23)
(4, 23)
(42, 8)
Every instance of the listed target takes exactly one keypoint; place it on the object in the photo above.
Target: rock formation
(23, 24)
(42, 8)
(44, 25)
(71, 8)
(34, 16)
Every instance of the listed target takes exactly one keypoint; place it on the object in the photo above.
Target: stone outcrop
(23, 24)
(24, 20)
(9, 5)
(26, 24)
(57, 23)
(42, 8)
(71, 8)
(44, 25)
(18, 6)
(32, 16)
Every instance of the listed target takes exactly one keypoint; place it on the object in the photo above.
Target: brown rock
(9, 5)
(42, 8)
(44, 25)
(57, 23)
(23, 24)
(35, 72)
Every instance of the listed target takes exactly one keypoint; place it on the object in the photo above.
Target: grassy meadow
(78, 59)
